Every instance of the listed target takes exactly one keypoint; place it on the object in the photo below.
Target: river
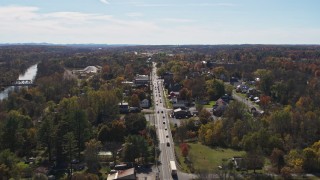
(30, 74)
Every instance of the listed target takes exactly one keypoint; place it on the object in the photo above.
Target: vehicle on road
(173, 168)
(168, 144)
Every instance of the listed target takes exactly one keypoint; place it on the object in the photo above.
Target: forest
(65, 120)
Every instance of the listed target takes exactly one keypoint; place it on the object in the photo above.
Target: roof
(123, 104)
(142, 77)
(145, 100)
(105, 153)
(125, 173)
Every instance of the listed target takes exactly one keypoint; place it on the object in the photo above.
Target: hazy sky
(160, 21)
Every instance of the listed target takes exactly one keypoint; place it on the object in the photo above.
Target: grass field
(211, 103)
(206, 158)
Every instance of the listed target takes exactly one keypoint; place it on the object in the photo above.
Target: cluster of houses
(138, 82)
(251, 93)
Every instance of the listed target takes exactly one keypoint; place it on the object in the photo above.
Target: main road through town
(163, 128)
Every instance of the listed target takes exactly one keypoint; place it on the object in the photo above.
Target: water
(30, 74)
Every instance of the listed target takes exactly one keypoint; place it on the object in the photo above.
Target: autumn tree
(135, 101)
(277, 159)
(184, 147)
(204, 116)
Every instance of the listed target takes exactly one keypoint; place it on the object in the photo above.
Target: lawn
(206, 158)
(210, 105)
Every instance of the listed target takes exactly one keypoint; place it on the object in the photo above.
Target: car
(161, 111)
(164, 117)
(168, 144)
(167, 136)
(165, 129)
(175, 125)
(157, 104)
(164, 122)
(158, 111)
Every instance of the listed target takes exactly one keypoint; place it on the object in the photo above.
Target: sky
(154, 22)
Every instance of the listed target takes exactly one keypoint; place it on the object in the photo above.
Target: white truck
(173, 168)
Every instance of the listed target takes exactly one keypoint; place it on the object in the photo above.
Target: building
(145, 103)
(179, 113)
(219, 108)
(141, 80)
(123, 107)
(123, 174)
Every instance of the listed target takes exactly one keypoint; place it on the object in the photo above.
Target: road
(246, 101)
(163, 128)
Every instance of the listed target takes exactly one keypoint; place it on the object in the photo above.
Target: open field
(206, 158)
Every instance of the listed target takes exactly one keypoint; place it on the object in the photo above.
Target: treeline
(64, 119)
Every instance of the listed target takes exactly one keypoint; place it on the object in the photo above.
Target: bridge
(18, 83)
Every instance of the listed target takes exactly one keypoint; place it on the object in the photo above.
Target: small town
(159, 90)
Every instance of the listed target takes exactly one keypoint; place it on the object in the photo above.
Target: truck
(173, 168)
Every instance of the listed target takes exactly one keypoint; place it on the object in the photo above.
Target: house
(123, 174)
(179, 105)
(141, 80)
(145, 103)
(123, 107)
(234, 80)
(219, 108)
(174, 94)
(179, 113)
(134, 109)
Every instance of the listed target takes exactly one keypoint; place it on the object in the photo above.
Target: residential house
(219, 108)
(145, 103)
(179, 113)
(123, 107)
(123, 174)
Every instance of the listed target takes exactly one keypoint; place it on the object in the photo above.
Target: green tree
(69, 147)
(215, 89)
(280, 122)
(14, 131)
(135, 147)
(266, 80)
(135, 123)
(104, 134)
(46, 134)
(8, 161)
(91, 155)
